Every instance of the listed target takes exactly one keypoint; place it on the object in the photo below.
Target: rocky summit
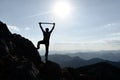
(20, 60)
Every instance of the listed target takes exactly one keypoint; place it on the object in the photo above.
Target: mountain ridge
(75, 62)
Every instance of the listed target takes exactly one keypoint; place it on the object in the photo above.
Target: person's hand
(40, 23)
(53, 24)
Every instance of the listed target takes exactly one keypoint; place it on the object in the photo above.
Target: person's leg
(38, 44)
(47, 51)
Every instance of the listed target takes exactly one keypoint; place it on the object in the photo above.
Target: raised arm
(52, 27)
(41, 27)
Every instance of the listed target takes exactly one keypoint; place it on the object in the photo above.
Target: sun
(62, 9)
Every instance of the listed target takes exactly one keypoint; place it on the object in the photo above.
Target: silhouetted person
(46, 35)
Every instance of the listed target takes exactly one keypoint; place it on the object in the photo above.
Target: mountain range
(76, 61)
(111, 55)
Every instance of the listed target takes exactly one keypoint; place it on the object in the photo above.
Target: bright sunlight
(62, 9)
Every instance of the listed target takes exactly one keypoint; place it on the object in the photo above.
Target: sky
(89, 25)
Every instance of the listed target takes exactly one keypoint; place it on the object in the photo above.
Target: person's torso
(46, 36)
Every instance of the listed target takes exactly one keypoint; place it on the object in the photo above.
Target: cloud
(115, 34)
(115, 41)
(39, 14)
(27, 28)
(110, 25)
(111, 43)
(13, 28)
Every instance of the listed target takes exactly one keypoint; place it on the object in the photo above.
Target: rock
(19, 59)
(4, 31)
(52, 71)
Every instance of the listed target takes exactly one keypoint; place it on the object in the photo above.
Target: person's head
(47, 29)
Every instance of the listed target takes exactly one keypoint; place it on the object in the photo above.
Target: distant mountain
(75, 62)
(99, 71)
(67, 61)
(111, 55)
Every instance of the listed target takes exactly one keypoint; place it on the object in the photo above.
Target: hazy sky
(89, 25)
